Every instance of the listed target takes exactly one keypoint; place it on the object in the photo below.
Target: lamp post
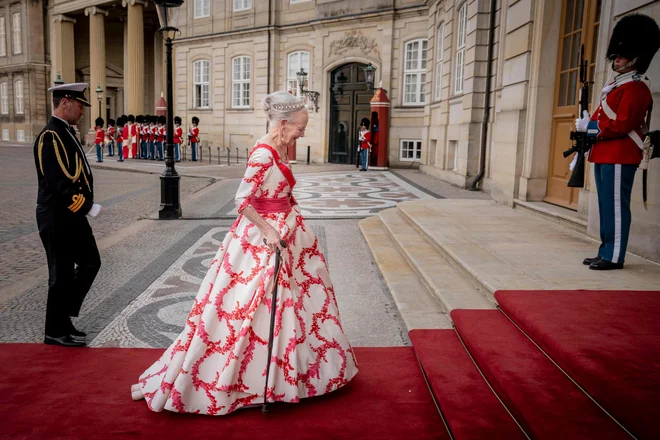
(58, 81)
(313, 96)
(99, 96)
(170, 191)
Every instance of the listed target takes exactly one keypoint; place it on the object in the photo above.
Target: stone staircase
(441, 255)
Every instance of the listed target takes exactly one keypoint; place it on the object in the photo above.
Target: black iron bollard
(228, 157)
(218, 155)
(308, 154)
(237, 155)
(246, 155)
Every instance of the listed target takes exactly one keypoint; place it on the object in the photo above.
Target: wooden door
(579, 25)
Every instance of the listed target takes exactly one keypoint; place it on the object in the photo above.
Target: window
(20, 135)
(411, 150)
(3, 38)
(201, 84)
(414, 72)
(18, 97)
(5, 134)
(297, 1)
(202, 8)
(240, 82)
(296, 61)
(16, 33)
(4, 103)
(460, 48)
(439, 58)
(241, 5)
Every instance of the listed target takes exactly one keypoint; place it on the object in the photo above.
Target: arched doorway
(349, 103)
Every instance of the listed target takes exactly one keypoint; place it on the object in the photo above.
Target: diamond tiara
(297, 105)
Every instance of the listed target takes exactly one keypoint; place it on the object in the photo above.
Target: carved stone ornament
(354, 39)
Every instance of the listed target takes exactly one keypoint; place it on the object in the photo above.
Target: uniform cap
(111, 121)
(162, 119)
(177, 120)
(73, 91)
(635, 36)
(139, 119)
(131, 118)
(99, 122)
(195, 120)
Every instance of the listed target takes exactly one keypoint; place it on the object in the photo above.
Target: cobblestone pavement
(151, 269)
(125, 198)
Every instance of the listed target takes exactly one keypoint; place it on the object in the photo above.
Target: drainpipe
(489, 73)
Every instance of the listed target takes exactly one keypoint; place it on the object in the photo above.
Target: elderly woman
(217, 364)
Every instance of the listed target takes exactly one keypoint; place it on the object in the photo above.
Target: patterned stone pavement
(348, 195)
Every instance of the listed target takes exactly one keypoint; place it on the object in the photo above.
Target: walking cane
(264, 408)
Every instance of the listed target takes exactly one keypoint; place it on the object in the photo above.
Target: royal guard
(100, 139)
(120, 137)
(152, 137)
(617, 128)
(133, 133)
(160, 136)
(138, 127)
(144, 137)
(125, 135)
(111, 135)
(178, 134)
(193, 137)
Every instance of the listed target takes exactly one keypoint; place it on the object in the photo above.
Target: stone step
(440, 277)
(418, 307)
(552, 213)
(499, 248)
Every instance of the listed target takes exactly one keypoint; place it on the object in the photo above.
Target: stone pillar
(64, 57)
(96, 60)
(134, 71)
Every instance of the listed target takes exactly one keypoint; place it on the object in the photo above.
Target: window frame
(243, 84)
(461, 36)
(419, 73)
(3, 37)
(440, 41)
(294, 78)
(19, 97)
(20, 135)
(205, 9)
(204, 86)
(236, 5)
(5, 134)
(16, 41)
(4, 97)
(415, 143)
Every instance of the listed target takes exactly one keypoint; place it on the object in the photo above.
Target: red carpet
(52, 392)
(607, 341)
(546, 403)
(469, 406)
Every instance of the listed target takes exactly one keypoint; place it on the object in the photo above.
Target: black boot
(605, 265)
(63, 341)
(588, 261)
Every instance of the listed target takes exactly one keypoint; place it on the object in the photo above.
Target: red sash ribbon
(269, 205)
(288, 174)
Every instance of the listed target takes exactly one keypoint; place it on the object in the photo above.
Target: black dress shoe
(588, 261)
(75, 332)
(64, 341)
(605, 265)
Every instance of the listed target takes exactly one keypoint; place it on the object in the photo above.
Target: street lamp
(58, 81)
(99, 96)
(369, 73)
(170, 191)
(313, 96)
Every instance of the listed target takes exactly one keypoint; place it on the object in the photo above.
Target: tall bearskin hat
(195, 120)
(365, 122)
(177, 120)
(162, 119)
(635, 36)
(99, 122)
(131, 118)
(111, 122)
(139, 119)
(120, 121)
(154, 119)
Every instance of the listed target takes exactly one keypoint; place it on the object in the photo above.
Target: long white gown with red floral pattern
(218, 363)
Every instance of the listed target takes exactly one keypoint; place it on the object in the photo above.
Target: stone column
(134, 71)
(96, 59)
(64, 49)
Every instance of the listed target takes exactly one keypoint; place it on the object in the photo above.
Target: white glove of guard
(581, 123)
(96, 209)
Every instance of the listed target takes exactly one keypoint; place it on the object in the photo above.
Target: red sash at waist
(269, 205)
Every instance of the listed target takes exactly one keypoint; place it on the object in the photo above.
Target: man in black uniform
(65, 198)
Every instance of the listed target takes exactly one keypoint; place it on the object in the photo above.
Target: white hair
(281, 106)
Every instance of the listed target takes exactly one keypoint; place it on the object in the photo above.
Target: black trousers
(73, 262)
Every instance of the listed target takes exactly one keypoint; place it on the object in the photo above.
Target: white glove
(581, 123)
(96, 209)
(607, 89)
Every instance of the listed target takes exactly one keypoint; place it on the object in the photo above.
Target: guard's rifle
(581, 143)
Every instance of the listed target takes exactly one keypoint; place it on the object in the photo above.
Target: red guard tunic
(618, 121)
(152, 134)
(134, 139)
(125, 136)
(161, 131)
(366, 141)
(178, 132)
(194, 134)
(120, 137)
(111, 132)
(100, 135)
